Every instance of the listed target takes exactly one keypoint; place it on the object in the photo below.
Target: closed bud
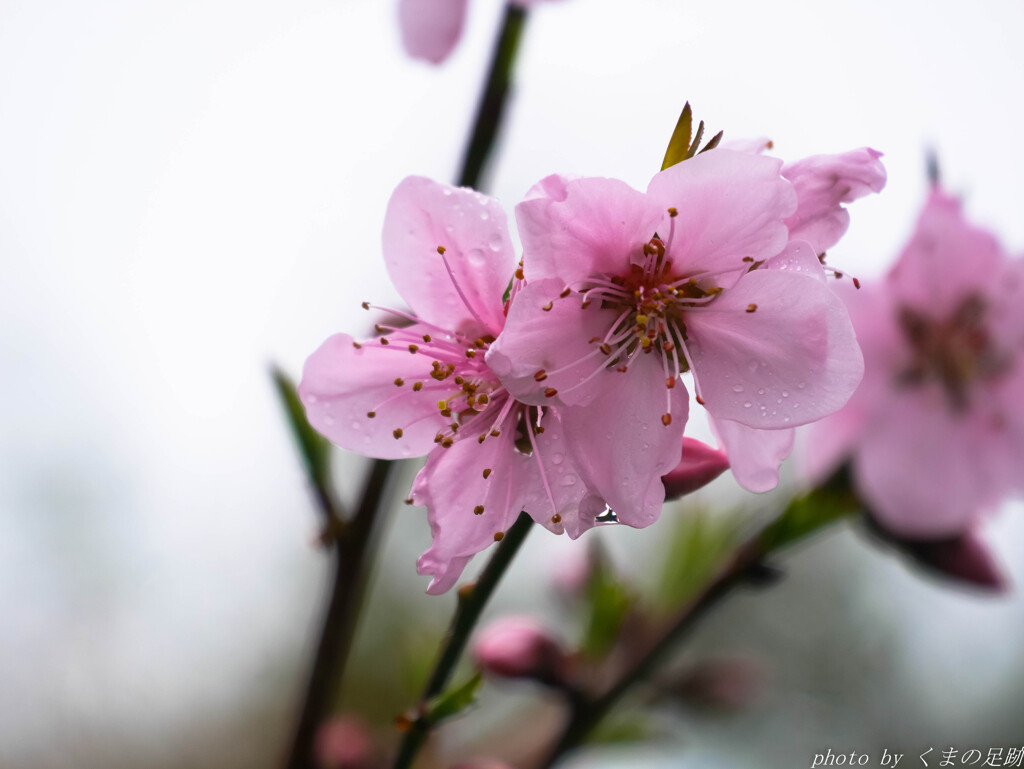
(700, 464)
(344, 742)
(520, 647)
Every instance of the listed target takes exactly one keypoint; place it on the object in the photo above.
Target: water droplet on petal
(569, 480)
(737, 388)
(785, 393)
(484, 215)
(329, 421)
(747, 404)
(495, 242)
(802, 385)
(760, 391)
(557, 458)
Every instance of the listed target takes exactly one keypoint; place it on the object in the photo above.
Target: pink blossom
(425, 387)
(627, 290)
(935, 433)
(431, 28)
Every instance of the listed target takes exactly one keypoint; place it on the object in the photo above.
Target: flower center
(954, 352)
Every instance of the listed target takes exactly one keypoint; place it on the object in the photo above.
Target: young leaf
(607, 602)
(453, 701)
(316, 450)
(696, 141)
(679, 144)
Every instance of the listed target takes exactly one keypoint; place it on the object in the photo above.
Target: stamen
(458, 288)
(478, 510)
(397, 433)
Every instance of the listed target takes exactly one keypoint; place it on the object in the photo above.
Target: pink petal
(925, 471)
(947, 260)
(574, 229)
(452, 486)
(620, 444)
(754, 455)
(730, 204)
(798, 257)
(791, 361)
(699, 465)
(823, 183)
(537, 340)
(751, 146)
(554, 486)
(342, 384)
(431, 28)
(473, 230)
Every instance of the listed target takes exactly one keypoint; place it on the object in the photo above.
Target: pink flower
(627, 290)
(935, 433)
(425, 387)
(431, 28)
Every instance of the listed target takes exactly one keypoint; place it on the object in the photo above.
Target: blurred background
(190, 191)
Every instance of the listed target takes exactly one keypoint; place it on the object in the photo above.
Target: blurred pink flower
(344, 742)
(431, 28)
(425, 388)
(519, 647)
(935, 433)
(626, 290)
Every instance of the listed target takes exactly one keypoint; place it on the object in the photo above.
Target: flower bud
(700, 464)
(964, 558)
(344, 742)
(519, 647)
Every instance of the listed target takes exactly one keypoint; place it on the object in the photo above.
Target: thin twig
(491, 107)
(471, 603)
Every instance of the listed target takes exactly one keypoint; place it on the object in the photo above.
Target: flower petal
(620, 444)
(822, 183)
(792, 360)
(754, 455)
(554, 486)
(536, 340)
(472, 228)
(946, 260)
(798, 256)
(573, 229)
(452, 485)
(431, 28)
(927, 472)
(341, 384)
(731, 205)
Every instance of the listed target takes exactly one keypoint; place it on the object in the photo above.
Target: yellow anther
(441, 250)
(673, 212)
(666, 419)
(641, 320)
(645, 342)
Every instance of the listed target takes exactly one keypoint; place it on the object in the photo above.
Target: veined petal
(574, 229)
(431, 28)
(543, 350)
(730, 205)
(620, 444)
(776, 350)
(473, 231)
(823, 183)
(754, 455)
(341, 384)
(472, 491)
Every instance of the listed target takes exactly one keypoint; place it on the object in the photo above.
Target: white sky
(190, 190)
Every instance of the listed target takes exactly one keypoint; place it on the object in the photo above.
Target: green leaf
(696, 141)
(316, 450)
(453, 701)
(832, 500)
(607, 601)
(508, 291)
(697, 547)
(679, 144)
(714, 142)
(635, 729)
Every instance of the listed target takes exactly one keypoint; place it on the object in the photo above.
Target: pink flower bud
(699, 465)
(965, 558)
(344, 742)
(519, 647)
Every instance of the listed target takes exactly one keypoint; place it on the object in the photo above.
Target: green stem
(491, 108)
(471, 604)
(803, 516)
